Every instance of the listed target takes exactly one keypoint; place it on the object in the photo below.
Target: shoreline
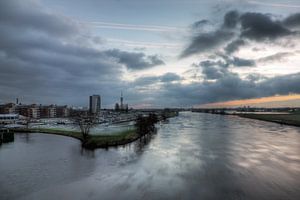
(284, 119)
(93, 141)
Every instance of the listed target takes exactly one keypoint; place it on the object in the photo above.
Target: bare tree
(85, 123)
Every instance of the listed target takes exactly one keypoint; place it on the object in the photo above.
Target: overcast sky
(160, 53)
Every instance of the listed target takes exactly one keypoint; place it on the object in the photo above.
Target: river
(192, 156)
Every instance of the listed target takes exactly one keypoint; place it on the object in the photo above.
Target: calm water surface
(193, 156)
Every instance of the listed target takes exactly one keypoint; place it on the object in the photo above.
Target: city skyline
(159, 53)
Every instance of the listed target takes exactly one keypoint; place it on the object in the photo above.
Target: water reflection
(193, 156)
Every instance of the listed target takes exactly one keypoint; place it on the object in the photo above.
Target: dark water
(194, 156)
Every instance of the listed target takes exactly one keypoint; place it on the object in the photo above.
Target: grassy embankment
(97, 141)
(93, 141)
(287, 119)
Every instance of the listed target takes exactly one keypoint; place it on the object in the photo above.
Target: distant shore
(286, 119)
(93, 141)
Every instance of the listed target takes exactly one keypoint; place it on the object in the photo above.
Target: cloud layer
(46, 57)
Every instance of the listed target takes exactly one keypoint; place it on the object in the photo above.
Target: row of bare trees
(143, 124)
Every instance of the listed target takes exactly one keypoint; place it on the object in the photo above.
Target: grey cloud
(276, 57)
(230, 87)
(241, 62)
(146, 81)
(234, 46)
(292, 20)
(41, 63)
(149, 80)
(134, 61)
(169, 77)
(231, 19)
(228, 62)
(255, 77)
(238, 28)
(213, 72)
(209, 41)
(282, 85)
(206, 42)
(257, 26)
(199, 24)
(211, 63)
(28, 16)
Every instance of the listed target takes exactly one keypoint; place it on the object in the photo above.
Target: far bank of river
(287, 119)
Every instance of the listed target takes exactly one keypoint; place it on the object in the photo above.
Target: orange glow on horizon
(253, 101)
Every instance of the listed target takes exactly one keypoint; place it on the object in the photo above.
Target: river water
(193, 156)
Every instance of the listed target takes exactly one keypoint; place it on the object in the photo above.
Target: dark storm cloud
(203, 42)
(257, 26)
(238, 28)
(206, 42)
(134, 61)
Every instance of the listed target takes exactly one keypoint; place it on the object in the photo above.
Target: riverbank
(287, 119)
(93, 141)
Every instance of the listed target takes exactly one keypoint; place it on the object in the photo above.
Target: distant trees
(146, 124)
(85, 123)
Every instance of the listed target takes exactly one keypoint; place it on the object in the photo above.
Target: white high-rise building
(95, 104)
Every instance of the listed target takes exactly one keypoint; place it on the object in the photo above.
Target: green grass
(120, 138)
(289, 119)
(93, 141)
(51, 131)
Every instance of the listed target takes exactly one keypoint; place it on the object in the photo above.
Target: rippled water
(193, 156)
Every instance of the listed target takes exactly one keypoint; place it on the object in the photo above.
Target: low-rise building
(62, 111)
(48, 111)
(9, 108)
(9, 118)
(32, 111)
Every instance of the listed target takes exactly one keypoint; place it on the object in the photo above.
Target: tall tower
(95, 104)
(121, 101)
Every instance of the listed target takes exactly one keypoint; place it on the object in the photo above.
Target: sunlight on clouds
(262, 101)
